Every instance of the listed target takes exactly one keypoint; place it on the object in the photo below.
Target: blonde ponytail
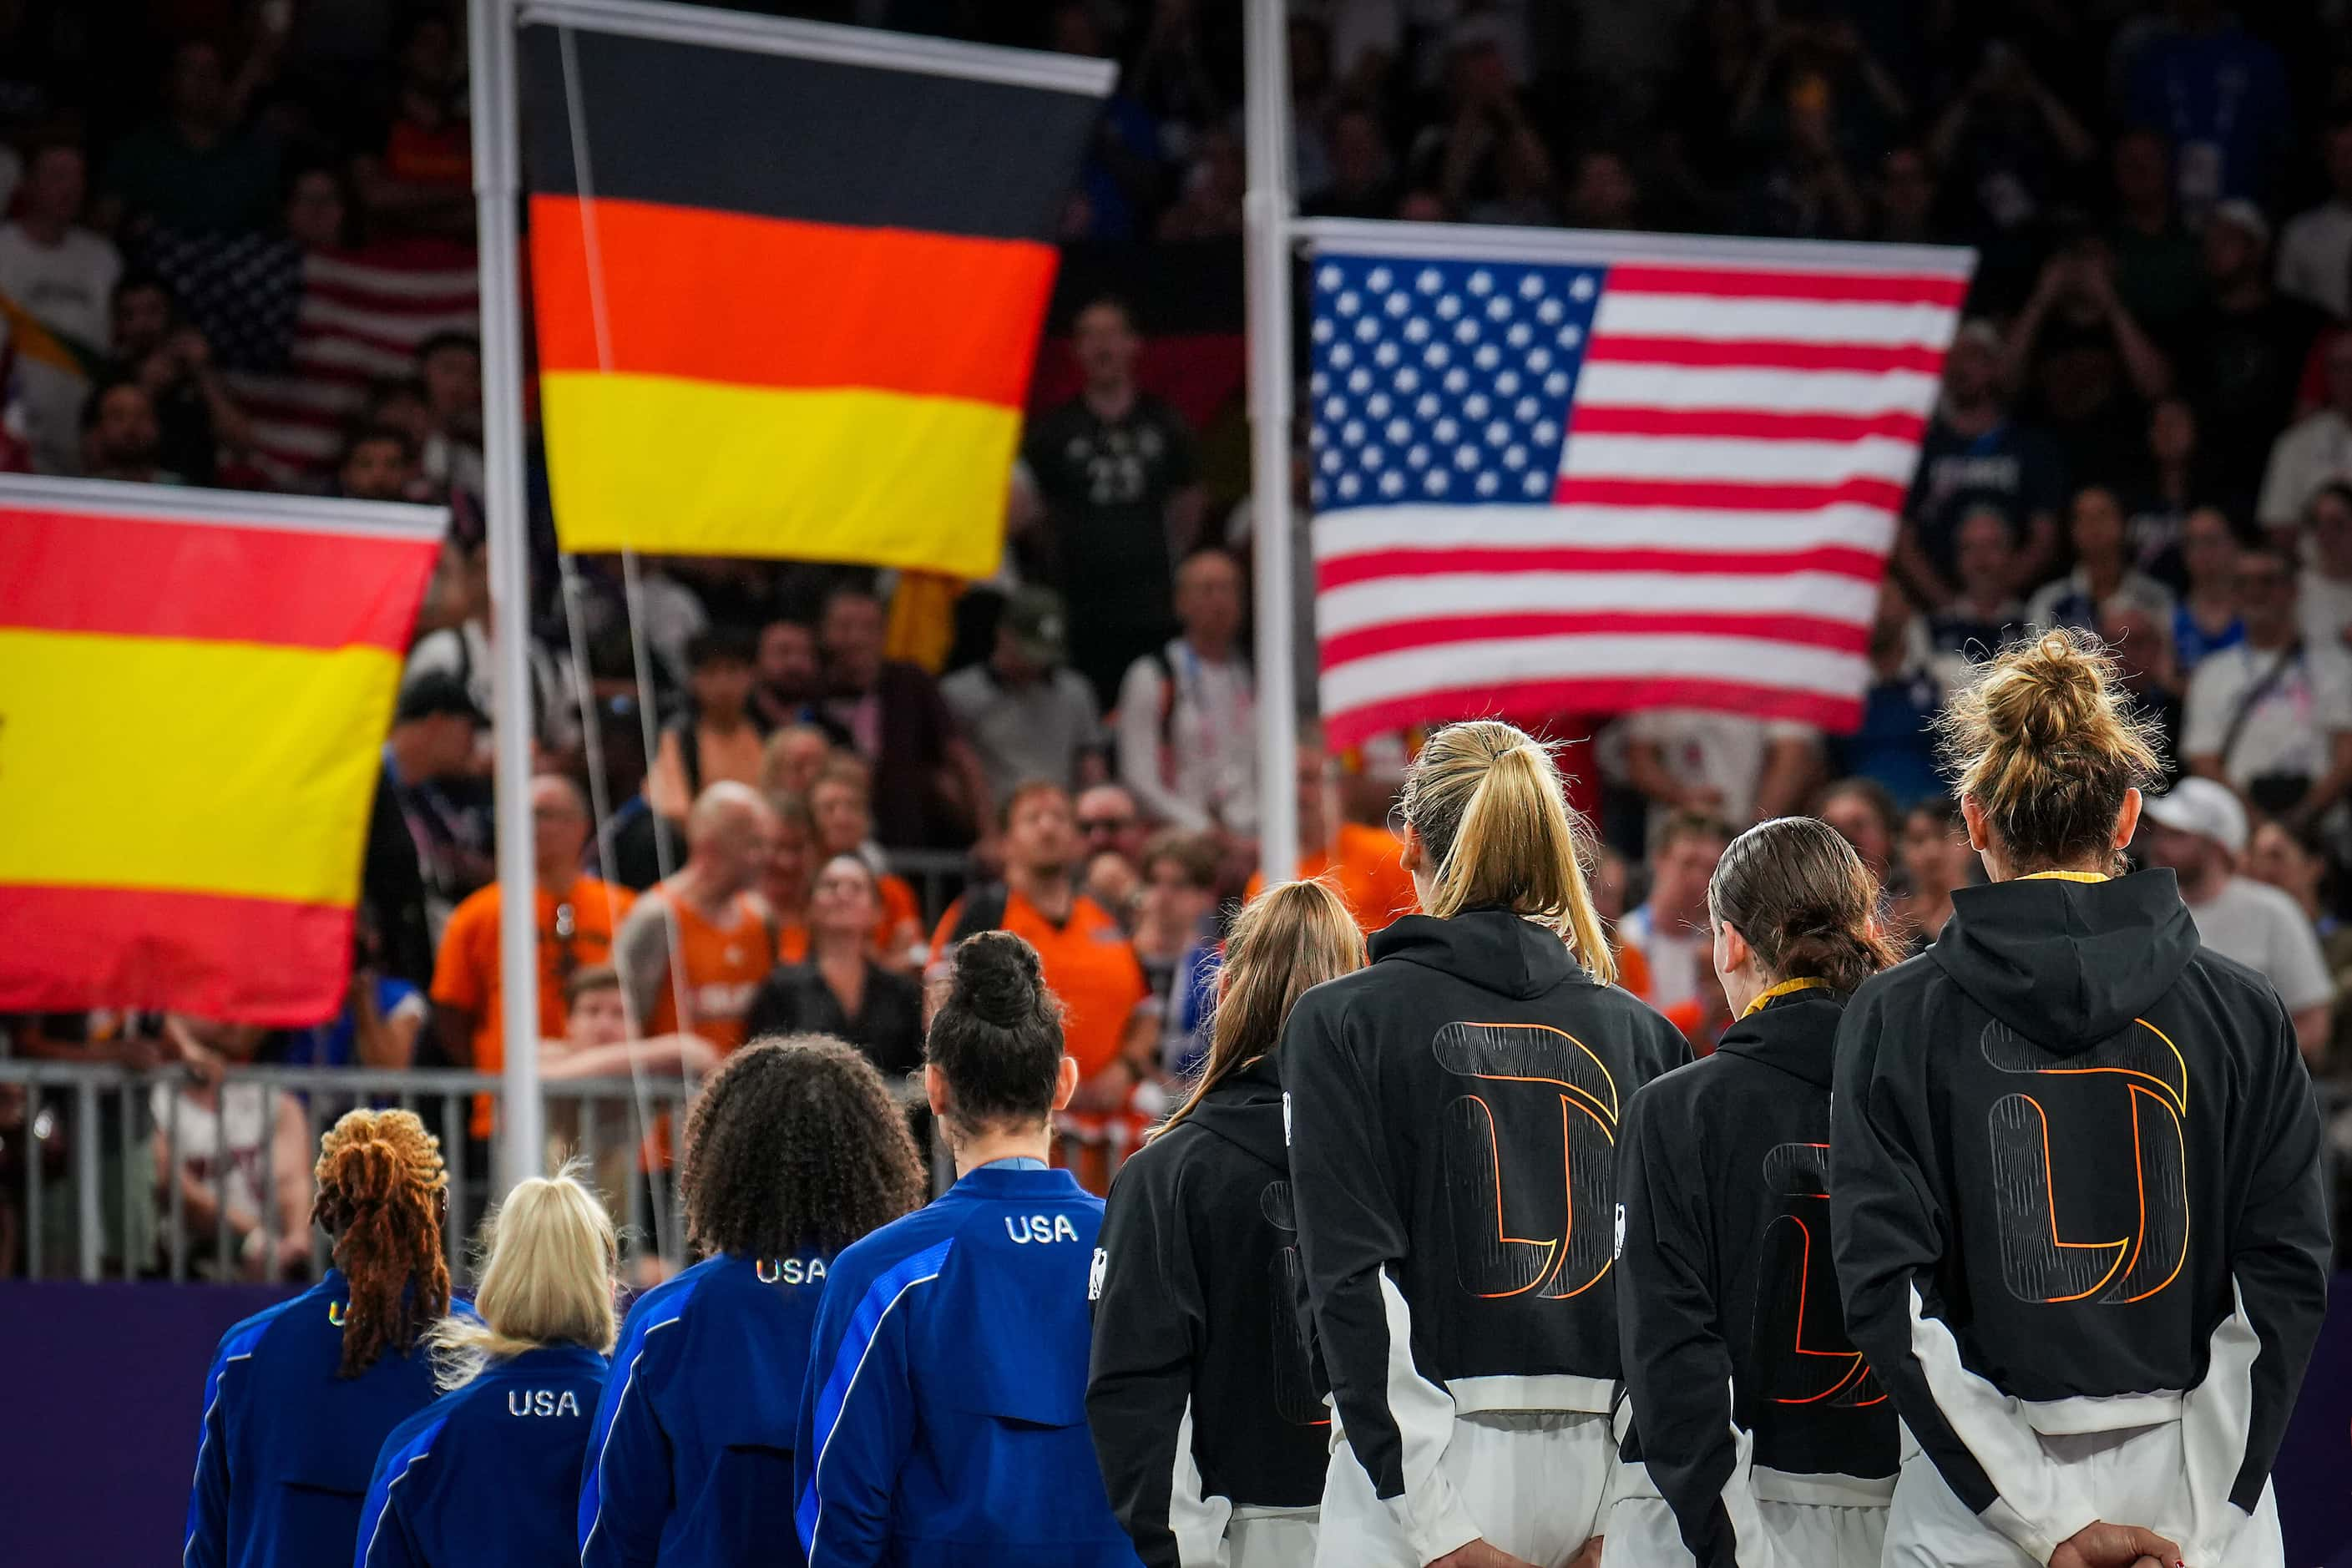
(1492, 816)
(547, 1278)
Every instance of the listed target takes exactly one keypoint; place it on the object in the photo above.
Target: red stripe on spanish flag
(194, 691)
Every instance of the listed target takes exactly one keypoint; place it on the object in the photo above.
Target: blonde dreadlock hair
(381, 1193)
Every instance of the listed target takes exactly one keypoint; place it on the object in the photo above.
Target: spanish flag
(790, 279)
(193, 691)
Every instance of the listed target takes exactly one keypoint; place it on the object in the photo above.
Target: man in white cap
(2199, 830)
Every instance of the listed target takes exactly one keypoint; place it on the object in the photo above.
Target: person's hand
(2103, 1545)
(989, 854)
(1478, 1555)
(1588, 1558)
(189, 347)
(696, 1055)
(1700, 797)
(293, 1253)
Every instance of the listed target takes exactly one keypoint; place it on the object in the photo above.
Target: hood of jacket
(2068, 964)
(1246, 1111)
(1796, 1033)
(1494, 950)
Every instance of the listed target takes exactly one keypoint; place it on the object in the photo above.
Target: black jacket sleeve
(1149, 1323)
(1678, 1369)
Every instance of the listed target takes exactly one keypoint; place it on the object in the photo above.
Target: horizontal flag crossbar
(1594, 248)
(246, 509)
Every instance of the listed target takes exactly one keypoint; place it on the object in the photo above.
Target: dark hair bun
(998, 980)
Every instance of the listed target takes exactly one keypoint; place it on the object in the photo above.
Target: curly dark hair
(794, 1143)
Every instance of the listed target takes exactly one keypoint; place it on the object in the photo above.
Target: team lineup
(2011, 1252)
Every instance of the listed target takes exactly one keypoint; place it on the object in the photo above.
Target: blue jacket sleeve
(205, 1544)
(624, 1484)
(384, 1538)
(857, 1415)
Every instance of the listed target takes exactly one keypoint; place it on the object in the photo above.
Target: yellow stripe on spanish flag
(833, 473)
(216, 767)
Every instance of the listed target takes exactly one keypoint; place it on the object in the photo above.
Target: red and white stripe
(361, 320)
(1740, 442)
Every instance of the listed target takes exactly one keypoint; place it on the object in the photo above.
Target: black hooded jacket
(1453, 1112)
(2075, 1188)
(1203, 1394)
(1727, 1296)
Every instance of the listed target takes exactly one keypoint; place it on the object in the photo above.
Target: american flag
(301, 335)
(1563, 472)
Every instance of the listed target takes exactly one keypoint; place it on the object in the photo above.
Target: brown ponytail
(382, 1193)
(1804, 903)
(2044, 744)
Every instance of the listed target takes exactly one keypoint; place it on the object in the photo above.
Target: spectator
(642, 844)
(1088, 961)
(595, 1042)
(2172, 485)
(1362, 171)
(2272, 717)
(2011, 144)
(63, 277)
(197, 416)
(380, 464)
(2156, 274)
(2315, 252)
(788, 683)
(467, 653)
(1906, 199)
(840, 990)
(1364, 864)
(694, 950)
(1892, 745)
(2297, 866)
(420, 177)
(1186, 747)
(426, 851)
(2150, 683)
(204, 166)
(1115, 468)
(929, 788)
(1176, 942)
(2084, 367)
(2102, 571)
(2206, 620)
(1973, 457)
(576, 918)
(1671, 927)
(1211, 206)
(716, 737)
(1865, 817)
(839, 809)
(1023, 711)
(2314, 451)
(120, 437)
(792, 758)
(2199, 831)
(219, 1143)
(2327, 574)
(1972, 627)
(1602, 192)
(785, 880)
(1111, 834)
(1937, 859)
(1803, 188)
(2218, 94)
(1729, 766)
(378, 1028)
(1524, 187)
(449, 365)
(2242, 351)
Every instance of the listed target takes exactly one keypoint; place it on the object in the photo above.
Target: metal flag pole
(497, 184)
(1266, 214)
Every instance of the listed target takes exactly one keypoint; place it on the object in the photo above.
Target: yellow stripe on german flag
(789, 281)
(194, 687)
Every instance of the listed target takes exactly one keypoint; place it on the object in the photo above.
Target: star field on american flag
(1444, 381)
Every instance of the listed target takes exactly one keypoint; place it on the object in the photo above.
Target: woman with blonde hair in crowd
(490, 1471)
(300, 1397)
(1452, 1121)
(2074, 1172)
(1201, 1394)
(1756, 1433)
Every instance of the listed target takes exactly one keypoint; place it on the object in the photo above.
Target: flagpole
(1266, 213)
(496, 135)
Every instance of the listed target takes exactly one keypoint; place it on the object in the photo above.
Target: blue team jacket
(490, 1473)
(288, 1446)
(946, 1420)
(690, 1462)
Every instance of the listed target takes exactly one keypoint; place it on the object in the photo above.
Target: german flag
(790, 279)
(193, 691)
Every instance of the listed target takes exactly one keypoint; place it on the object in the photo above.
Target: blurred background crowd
(237, 253)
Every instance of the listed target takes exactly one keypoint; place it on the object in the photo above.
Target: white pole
(1266, 212)
(497, 132)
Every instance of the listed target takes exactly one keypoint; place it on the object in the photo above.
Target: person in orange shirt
(717, 737)
(696, 946)
(841, 804)
(1364, 864)
(577, 917)
(1088, 961)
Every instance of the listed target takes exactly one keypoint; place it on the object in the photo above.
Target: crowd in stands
(2145, 429)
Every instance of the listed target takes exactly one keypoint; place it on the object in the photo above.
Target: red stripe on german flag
(729, 297)
(262, 961)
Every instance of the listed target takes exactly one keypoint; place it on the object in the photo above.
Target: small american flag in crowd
(1562, 472)
(302, 336)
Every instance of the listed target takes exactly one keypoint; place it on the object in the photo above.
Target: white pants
(1270, 1538)
(1642, 1535)
(2133, 1477)
(1537, 1484)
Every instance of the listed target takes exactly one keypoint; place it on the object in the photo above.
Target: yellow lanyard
(2064, 876)
(1786, 988)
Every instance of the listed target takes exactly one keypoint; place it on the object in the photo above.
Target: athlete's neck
(1035, 1142)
